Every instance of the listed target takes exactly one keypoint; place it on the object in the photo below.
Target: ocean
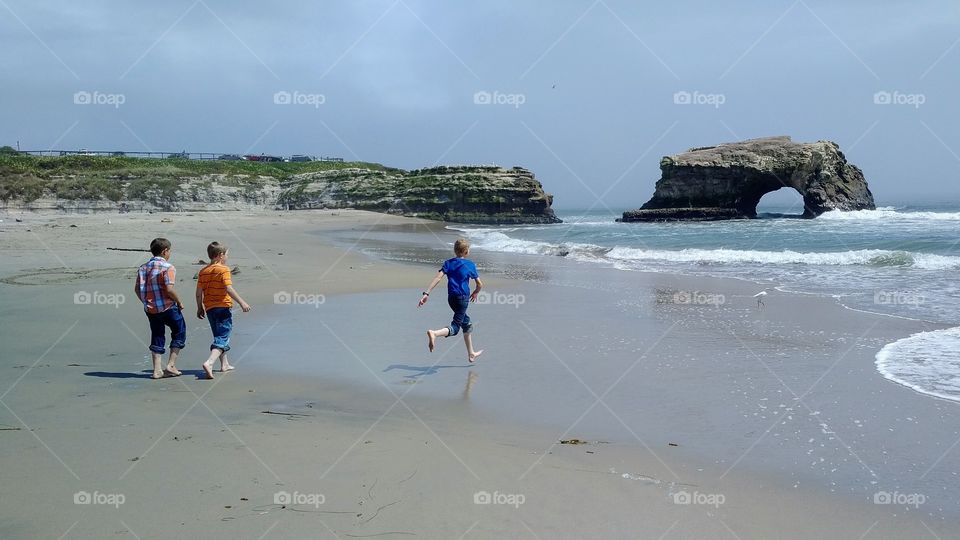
(900, 261)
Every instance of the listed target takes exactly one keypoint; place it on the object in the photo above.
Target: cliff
(465, 194)
(457, 194)
(727, 181)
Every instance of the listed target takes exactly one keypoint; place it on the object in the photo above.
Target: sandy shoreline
(191, 457)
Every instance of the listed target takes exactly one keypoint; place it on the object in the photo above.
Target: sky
(589, 95)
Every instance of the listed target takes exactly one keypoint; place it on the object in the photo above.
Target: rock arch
(727, 181)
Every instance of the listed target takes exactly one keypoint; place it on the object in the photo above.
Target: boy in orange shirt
(215, 296)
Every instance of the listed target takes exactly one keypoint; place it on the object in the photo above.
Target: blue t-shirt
(459, 272)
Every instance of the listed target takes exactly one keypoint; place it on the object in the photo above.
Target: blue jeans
(221, 323)
(159, 322)
(459, 305)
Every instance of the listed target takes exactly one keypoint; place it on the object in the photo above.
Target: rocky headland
(463, 194)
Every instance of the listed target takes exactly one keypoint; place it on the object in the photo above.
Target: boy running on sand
(459, 271)
(215, 296)
(154, 287)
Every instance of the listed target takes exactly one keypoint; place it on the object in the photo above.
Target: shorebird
(759, 296)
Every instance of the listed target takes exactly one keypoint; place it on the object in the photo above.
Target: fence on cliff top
(163, 155)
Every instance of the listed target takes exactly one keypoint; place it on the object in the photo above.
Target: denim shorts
(221, 323)
(159, 322)
(459, 305)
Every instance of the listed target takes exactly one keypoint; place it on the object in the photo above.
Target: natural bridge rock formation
(727, 181)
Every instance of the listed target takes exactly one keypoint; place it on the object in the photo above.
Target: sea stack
(726, 181)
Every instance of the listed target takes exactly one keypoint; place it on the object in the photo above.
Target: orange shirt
(213, 281)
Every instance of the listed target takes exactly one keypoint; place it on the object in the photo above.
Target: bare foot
(208, 369)
(157, 375)
(474, 355)
(432, 340)
(226, 368)
(172, 371)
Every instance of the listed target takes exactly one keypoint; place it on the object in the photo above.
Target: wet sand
(715, 420)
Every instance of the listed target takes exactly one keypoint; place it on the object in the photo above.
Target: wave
(861, 257)
(928, 362)
(495, 240)
(888, 213)
(567, 222)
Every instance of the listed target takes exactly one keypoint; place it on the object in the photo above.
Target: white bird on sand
(759, 296)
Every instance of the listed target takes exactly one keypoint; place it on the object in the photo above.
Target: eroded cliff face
(457, 194)
(483, 195)
(727, 181)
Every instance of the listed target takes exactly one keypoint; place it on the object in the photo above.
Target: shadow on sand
(421, 371)
(145, 374)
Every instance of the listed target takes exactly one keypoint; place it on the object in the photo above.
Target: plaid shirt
(153, 277)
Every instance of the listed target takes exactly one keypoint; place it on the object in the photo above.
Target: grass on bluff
(44, 167)
(28, 177)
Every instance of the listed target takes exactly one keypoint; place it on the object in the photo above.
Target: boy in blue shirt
(459, 271)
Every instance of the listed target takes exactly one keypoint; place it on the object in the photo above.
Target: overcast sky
(583, 93)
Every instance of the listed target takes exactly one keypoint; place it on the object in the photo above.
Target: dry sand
(188, 458)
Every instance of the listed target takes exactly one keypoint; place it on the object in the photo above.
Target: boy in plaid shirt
(155, 288)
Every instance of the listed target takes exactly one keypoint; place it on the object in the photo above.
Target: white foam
(494, 240)
(863, 257)
(497, 240)
(888, 213)
(928, 362)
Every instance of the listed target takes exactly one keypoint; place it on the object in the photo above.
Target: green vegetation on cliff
(26, 177)
(475, 194)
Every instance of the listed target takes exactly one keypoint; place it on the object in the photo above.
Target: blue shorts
(159, 322)
(221, 323)
(459, 305)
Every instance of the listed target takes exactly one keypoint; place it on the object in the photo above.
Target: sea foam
(928, 362)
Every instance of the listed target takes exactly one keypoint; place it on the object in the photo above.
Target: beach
(687, 410)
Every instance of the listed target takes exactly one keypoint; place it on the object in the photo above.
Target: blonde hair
(461, 247)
